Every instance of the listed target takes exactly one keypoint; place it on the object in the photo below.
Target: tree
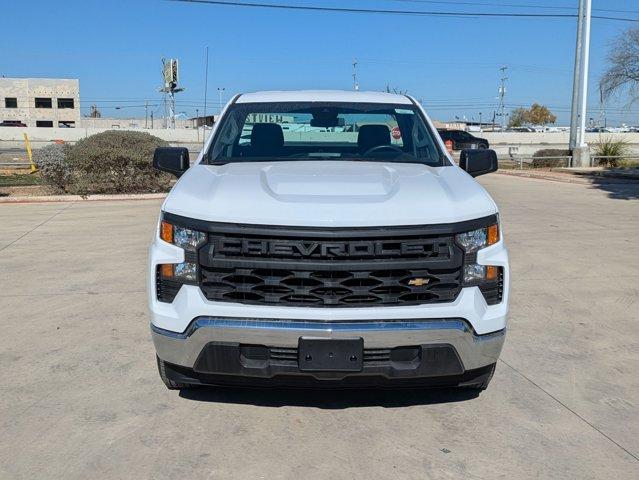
(623, 69)
(540, 115)
(518, 117)
(395, 90)
(536, 115)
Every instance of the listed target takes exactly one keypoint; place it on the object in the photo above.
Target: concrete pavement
(80, 395)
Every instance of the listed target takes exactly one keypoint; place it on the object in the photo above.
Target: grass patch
(19, 180)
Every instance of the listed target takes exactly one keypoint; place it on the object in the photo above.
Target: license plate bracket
(330, 355)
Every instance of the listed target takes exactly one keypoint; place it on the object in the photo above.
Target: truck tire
(170, 384)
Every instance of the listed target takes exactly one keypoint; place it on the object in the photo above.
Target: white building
(40, 102)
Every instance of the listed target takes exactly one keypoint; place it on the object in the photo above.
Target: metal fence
(17, 158)
(526, 162)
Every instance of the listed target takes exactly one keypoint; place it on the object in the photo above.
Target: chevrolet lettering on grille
(332, 249)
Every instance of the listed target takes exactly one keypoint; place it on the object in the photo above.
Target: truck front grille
(383, 266)
(340, 288)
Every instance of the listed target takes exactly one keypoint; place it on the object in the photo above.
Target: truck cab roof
(323, 96)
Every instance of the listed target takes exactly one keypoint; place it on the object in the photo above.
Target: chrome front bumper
(183, 349)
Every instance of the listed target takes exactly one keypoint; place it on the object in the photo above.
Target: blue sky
(114, 47)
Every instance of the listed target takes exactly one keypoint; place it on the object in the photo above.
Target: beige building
(40, 102)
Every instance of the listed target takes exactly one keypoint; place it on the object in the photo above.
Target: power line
(510, 5)
(482, 4)
(421, 13)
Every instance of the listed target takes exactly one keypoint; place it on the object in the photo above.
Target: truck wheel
(170, 384)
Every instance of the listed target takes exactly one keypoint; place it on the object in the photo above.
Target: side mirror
(174, 160)
(478, 162)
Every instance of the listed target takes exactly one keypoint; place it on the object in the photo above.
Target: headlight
(182, 237)
(475, 274)
(187, 239)
(186, 272)
(486, 277)
(478, 239)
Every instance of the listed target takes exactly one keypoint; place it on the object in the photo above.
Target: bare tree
(395, 90)
(623, 70)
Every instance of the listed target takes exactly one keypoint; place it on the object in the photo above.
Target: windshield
(260, 132)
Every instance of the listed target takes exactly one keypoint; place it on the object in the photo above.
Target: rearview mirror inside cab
(174, 160)
(478, 162)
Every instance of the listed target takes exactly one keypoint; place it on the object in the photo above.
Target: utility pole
(164, 123)
(577, 144)
(220, 90)
(197, 123)
(172, 109)
(355, 82)
(146, 114)
(502, 95)
(480, 122)
(151, 120)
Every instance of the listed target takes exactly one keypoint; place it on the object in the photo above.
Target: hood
(328, 193)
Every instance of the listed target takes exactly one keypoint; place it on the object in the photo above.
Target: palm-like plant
(609, 151)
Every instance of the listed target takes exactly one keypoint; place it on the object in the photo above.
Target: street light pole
(583, 92)
(577, 144)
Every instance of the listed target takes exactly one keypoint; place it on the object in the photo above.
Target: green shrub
(541, 160)
(611, 149)
(116, 162)
(628, 163)
(53, 165)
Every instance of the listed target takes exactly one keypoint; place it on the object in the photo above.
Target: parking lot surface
(81, 398)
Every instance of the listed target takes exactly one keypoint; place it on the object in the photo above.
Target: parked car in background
(12, 123)
(522, 129)
(598, 130)
(463, 140)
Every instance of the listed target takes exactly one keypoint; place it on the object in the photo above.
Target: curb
(540, 176)
(79, 198)
(571, 178)
(592, 173)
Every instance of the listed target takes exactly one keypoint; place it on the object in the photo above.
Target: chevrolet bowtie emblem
(418, 282)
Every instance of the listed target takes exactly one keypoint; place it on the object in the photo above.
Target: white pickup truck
(327, 239)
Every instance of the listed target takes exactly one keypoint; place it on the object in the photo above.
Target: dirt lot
(81, 397)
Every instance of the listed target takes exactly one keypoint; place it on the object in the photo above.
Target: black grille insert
(343, 271)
